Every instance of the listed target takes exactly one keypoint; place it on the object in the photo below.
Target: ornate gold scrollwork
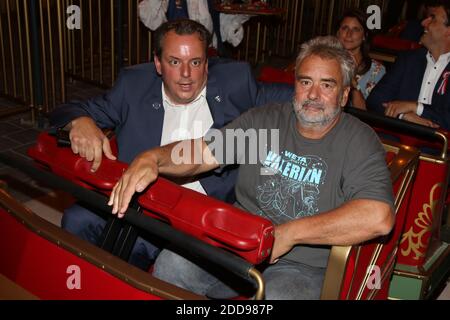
(423, 223)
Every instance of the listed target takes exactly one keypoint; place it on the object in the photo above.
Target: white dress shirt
(430, 79)
(190, 121)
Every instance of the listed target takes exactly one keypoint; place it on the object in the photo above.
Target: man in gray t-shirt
(326, 184)
(304, 176)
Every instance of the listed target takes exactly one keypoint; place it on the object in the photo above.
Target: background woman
(354, 36)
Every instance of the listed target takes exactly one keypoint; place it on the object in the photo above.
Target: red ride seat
(208, 219)
(394, 43)
(270, 74)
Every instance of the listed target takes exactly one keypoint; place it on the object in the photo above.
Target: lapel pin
(156, 105)
(218, 98)
(443, 87)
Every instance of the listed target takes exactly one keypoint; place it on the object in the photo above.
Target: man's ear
(157, 64)
(344, 98)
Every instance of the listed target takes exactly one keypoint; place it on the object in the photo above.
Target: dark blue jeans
(89, 226)
(285, 280)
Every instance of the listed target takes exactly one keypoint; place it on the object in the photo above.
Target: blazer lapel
(156, 112)
(215, 102)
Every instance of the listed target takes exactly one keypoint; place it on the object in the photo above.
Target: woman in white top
(354, 36)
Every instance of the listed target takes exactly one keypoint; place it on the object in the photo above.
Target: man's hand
(282, 244)
(142, 171)
(412, 117)
(89, 142)
(394, 108)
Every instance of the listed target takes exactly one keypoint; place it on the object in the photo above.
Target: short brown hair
(445, 4)
(328, 47)
(181, 27)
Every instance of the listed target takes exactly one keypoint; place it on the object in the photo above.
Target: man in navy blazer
(416, 88)
(138, 104)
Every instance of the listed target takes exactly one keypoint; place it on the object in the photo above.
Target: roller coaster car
(40, 260)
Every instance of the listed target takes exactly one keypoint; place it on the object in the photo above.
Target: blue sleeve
(438, 116)
(387, 88)
(274, 92)
(105, 109)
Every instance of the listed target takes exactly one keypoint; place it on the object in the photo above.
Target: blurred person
(354, 36)
(416, 87)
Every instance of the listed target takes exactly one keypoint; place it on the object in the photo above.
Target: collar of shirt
(443, 58)
(168, 104)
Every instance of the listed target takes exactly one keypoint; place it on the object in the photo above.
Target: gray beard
(309, 123)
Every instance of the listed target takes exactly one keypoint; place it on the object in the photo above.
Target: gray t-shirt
(304, 176)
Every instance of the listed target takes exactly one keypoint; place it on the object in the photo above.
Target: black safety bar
(402, 127)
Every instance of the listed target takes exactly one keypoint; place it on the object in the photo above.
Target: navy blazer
(135, 109)
(403, 82)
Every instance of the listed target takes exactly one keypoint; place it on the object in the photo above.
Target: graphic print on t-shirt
(293, 189)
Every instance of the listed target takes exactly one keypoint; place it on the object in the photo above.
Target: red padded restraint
(394, 43)
(208, 219)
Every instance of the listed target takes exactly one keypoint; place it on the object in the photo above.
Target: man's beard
(320, 119)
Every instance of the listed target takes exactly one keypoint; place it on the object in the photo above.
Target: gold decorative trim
(444, 144)
(257, 276)
(432, 159)
(334, 276)
(358, 254)
(424, 223)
